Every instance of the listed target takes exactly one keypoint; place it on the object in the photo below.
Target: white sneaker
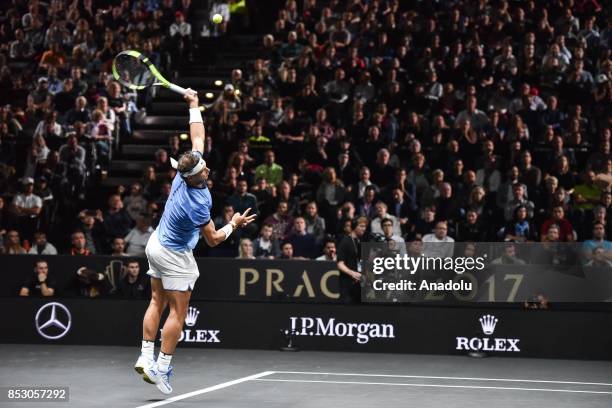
(164, 380)
(150, 373)
(140, 366)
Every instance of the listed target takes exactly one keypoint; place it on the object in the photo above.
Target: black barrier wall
(220, 279)
(433, 330)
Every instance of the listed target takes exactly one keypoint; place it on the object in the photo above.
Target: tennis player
(172, 267)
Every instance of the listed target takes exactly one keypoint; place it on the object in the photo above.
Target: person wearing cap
(43, 190)
(227, 100)
(172, 266)
(528, 100)
(180, 35)
(41, 95)
(27, 207)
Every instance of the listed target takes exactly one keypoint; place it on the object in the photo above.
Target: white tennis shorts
(177, 270)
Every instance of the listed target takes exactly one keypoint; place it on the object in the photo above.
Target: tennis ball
(217, 19)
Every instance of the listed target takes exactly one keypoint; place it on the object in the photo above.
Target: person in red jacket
(566, 230)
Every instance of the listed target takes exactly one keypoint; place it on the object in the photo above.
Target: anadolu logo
(488, 324)
(197, 335)
(363, 332)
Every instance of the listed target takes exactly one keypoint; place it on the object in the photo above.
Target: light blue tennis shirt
(186, 211)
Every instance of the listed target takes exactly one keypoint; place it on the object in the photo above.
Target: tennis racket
(134, 70)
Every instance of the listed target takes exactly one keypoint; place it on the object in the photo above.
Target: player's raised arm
(196, 124)
(214, 237)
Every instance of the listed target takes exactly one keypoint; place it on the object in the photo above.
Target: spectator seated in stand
(135, 203)
(265, 245)
(329, 251)
(438, 244)
(376, 226)
(41, 246)
(388, 232)
(281, 221)
(73, 157)
(12, 244)
(395, 115)
(88, 283)
(597, 240)
(508, 257)
(245, 249)
(134, 285)
(136, 240)
(116, 219)
(118, 247)
(39, 284)
(304, 244)
(269, 170)
(79, 243)
(287, 251)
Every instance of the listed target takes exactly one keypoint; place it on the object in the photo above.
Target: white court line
(445, 378)
(207, 389)
(439, 386)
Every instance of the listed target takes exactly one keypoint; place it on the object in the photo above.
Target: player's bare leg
(159, 301)
(160, 372)
(179, 303)
(150, 326)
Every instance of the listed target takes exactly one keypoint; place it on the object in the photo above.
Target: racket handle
(177, 89)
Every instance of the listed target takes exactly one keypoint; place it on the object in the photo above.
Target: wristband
(195, 116)
(227, 230)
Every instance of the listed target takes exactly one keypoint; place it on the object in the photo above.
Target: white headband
(195, 170)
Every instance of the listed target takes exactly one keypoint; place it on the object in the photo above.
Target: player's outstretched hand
(192, 98)
(243, 219)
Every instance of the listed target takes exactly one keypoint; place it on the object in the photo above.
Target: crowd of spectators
(437, 121)
(127, 282)
(62, 115)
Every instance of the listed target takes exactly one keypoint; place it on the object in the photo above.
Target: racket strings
(132, 71)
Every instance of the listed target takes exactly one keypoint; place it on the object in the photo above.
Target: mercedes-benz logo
(55, 325)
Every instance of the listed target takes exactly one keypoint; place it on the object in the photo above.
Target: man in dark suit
(304, 243)
(401, 206)
(366, 206)
(382, 172)
(345, 169)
